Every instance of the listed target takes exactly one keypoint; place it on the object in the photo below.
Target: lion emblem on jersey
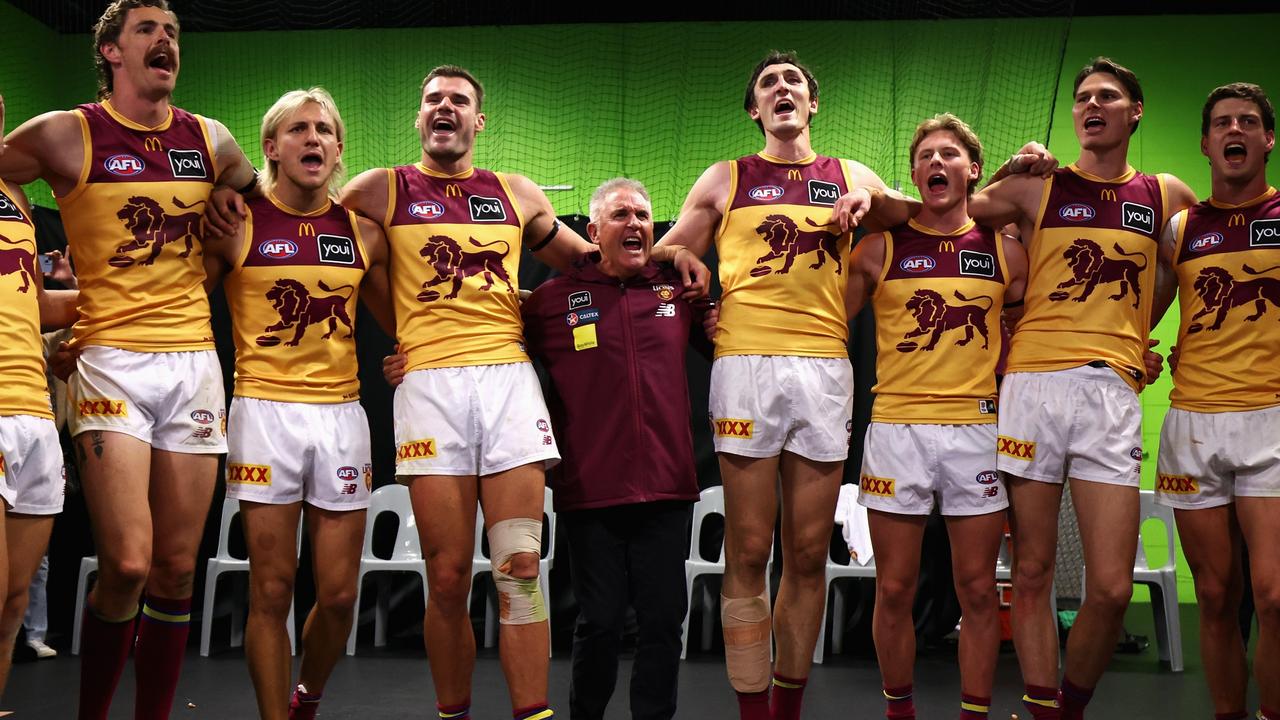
(786, 240)
(934, 316)
(1090, 267)
(154, 228)
(453, 265)
(1220, 292)
(299, 309)
(18, 259)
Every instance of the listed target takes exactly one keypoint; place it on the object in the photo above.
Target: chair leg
(355, 617)
(688, 610)
(380, 611)
(822, 628)
(290, 628)
(82, 594)
(1173, 621)
(238, 609)
(544, 581)
(206, 614)
(837, 619)
(490, 617)
(709, 604)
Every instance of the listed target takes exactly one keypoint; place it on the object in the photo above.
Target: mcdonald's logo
(793, 174)
(306, 229)
(946, 246)
(153, 144)
(452, 190)
(1108, 194)
(1236, 219)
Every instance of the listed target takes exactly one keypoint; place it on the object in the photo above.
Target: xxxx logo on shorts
(1020, 449)
(876, 486)
(733, 427)
(108, 408)
(249, 474)
(416, 449)
(1177, 485)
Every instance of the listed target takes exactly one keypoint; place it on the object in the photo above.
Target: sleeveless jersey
(1091, 273)
(23, 388)
(1228, 265)
(782, 274)
(133, 222)
(937, 307)
(292, 295)
(455, 255)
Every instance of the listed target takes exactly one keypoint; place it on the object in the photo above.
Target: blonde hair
(287, 105)
(965, 134)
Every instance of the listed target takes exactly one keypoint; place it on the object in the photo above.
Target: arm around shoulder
(702, 211)
(375, 289)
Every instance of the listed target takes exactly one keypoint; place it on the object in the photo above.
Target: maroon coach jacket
(615, 351)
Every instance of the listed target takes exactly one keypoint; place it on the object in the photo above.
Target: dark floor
(396, 684)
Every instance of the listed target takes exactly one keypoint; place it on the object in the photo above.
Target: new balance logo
(248, 474)
(665, 310)
(1177, 485)
(108, 408)
(876, 486)
(416, 450)
(1020, 449)
(733, 427)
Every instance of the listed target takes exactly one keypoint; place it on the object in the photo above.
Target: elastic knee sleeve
(747, 636)
(520, 600)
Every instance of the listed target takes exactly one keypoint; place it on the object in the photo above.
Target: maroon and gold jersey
(292, 295)
(1228, 266)
(937, 307)
(23, 389)
(133, 222)
(781, 265)
(1091, 273)
(455, 261)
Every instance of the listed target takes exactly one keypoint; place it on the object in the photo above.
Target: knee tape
(747, 636)
(520, 600)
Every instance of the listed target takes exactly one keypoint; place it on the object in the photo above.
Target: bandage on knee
(520, 600)
(747, 636)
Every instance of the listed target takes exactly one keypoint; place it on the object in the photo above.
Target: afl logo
(1206, 242)
(1076, 212)
(765, 192)
(347, 472)
(426, 210)
(917, 264)
(123, 165)
(204, 417)
(278, 249)
(987, 477)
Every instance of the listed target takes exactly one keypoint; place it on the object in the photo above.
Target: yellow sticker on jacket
(584, 337)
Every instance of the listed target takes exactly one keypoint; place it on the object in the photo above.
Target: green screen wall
(573, 105)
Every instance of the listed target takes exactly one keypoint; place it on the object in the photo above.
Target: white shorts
(174, 401)
(1206, 459)
(1083, 423)
(472, 420)
(285, 452)
(905, 466)
(763, 404)
(32, 478)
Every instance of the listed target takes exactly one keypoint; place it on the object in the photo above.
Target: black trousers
(628, 555)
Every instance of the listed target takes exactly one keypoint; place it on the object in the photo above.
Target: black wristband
(1016, 304)
(555, 228)
(249, 186)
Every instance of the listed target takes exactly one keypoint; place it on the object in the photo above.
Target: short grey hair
(596, 208)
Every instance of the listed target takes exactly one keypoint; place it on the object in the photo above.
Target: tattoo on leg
(97, 443)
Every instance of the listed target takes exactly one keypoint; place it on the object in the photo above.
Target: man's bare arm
(1166, 278)
(48, 147)
(702, 212)
(375, 288)
(1015, 199)
(552, 243)
(866, 263)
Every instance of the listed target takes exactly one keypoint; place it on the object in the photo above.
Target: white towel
(853, 516)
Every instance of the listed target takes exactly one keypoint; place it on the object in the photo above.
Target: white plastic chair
(224, 562)
(406, 556)
(481, 564)
(88, 566)
(1162, 582)
(834, 572)
(710, 502)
